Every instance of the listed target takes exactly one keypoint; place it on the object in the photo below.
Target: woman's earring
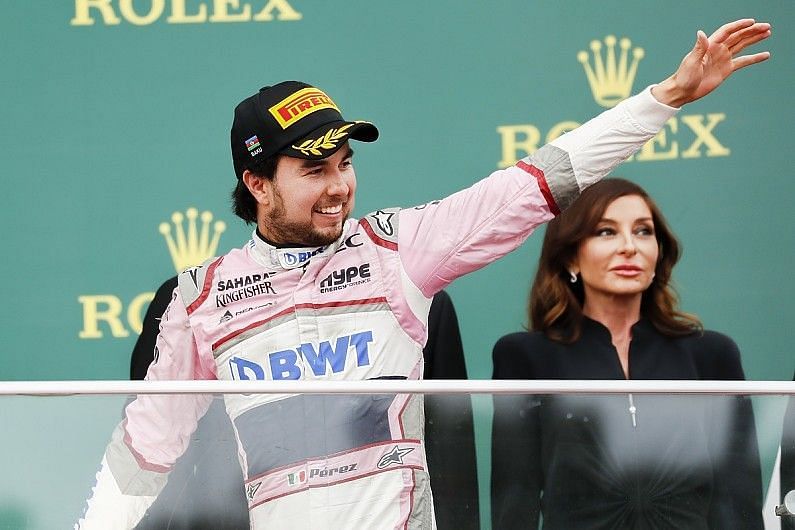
(573, 277)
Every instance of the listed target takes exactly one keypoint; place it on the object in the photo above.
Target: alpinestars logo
(251, 490)
(384, 221)
(394, 457)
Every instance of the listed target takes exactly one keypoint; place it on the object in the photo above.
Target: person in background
(602, 307)
(203, 489)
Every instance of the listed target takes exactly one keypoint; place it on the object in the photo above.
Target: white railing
(381, 386)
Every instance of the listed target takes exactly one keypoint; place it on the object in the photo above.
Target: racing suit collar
(288, 257)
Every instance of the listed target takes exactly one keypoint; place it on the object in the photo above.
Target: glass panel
(630, 461)
(566, 461)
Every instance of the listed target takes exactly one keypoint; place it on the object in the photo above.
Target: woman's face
(619, 257)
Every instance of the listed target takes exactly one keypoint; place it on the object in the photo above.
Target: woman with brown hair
(602, 307)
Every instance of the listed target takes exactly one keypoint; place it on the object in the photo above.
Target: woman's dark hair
(555, 305)
(244, 205)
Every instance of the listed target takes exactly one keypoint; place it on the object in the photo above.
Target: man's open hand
(712, 60)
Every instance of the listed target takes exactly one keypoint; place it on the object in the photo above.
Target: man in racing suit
(316, 296)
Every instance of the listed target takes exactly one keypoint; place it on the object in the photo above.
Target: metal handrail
(391, 386)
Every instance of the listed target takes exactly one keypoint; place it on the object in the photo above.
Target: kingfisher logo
(319, 357)
(299, 105)
(224, 299)
(243, 287)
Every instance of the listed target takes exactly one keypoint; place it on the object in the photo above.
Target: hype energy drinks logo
(610, 66)
(191, 239)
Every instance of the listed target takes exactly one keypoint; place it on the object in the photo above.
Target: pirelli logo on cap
(299, 105)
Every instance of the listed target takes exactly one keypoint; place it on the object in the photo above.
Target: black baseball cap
(293, 119)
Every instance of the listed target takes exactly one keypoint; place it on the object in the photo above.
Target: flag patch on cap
(252, 143)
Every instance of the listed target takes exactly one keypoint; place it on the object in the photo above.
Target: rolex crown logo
(196, 245)
(610, 79)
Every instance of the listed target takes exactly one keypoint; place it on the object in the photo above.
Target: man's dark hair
(243, 203)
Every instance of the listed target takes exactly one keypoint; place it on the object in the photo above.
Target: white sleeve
(110, 509)
(597, 146)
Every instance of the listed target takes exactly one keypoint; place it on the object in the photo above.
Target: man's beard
(298, 234)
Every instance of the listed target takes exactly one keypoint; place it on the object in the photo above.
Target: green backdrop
(116, 114)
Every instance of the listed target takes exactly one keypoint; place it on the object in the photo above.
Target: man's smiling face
(309, 200)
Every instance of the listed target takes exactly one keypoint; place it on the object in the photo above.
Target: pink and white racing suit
(354, 310)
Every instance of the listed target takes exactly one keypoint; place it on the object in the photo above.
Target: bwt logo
(283, 364)
(293, 259)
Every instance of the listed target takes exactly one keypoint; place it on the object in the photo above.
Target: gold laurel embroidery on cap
(195, 247)
(611, 77)
(327, 141)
